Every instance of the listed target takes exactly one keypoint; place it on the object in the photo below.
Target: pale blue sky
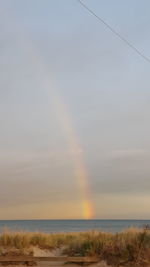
(105, 87)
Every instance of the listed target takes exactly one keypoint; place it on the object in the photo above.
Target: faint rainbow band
(63, 115)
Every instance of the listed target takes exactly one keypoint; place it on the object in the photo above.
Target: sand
(55, 253)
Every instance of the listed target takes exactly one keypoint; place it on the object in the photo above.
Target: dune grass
(129, 247)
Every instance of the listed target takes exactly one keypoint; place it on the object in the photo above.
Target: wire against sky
(114, 32)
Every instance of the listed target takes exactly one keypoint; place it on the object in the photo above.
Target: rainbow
(77, 156)
(75, 149)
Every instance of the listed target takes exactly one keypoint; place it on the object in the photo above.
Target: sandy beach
(56, 253)
(128, 248)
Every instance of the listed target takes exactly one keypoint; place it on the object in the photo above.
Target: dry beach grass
(128, 248)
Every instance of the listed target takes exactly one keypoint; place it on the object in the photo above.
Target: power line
(114, 31)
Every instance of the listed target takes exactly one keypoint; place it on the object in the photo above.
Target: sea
(57, 226)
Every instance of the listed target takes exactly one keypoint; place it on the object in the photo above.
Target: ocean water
(53, 226)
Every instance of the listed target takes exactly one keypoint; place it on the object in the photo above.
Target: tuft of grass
(130, 247)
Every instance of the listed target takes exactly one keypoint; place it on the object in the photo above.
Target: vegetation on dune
(22, 240)
(129, 247)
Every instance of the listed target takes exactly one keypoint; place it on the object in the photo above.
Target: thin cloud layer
(57, 47)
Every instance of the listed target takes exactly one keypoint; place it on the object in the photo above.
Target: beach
(128, 248)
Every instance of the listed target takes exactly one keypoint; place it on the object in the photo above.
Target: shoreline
(68, 226)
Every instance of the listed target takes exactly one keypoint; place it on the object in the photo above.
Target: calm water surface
(49, 226)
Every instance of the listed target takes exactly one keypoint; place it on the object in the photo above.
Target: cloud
(128, 153)
(122, 171)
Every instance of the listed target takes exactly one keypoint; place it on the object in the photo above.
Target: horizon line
(117, 219)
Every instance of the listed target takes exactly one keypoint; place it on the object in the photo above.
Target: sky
(74, 110)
